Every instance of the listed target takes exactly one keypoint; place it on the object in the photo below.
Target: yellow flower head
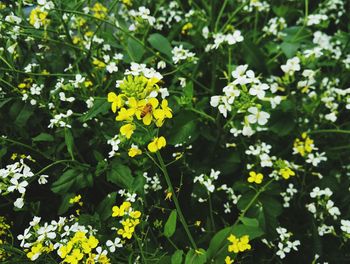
(162, 113)
(134, 151)
(286, 173)
(238, 244)
(99, 10)
(255, 177)
(127, 130)
(38, 18)
(120, 211)
(125, 115)
(156, 144)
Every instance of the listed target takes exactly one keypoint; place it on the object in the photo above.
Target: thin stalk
(176, 202)
(211, 213)
(340, 131)
(219, 16)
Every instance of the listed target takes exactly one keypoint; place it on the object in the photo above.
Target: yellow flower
(35, 251)
(164, 112)
(186, 28)
(303, 145)
(98, 63)
(127, 2)
(38, 18)
(238, 244)
(127, 130)
(124, 115)
(116, 100)
(135, 214)
(286, 172)
(134, 151)
(75, 199)
(100, 11)
(255, 177)
(120, 211)
(147, 111)
(228, 260)
(156, 144)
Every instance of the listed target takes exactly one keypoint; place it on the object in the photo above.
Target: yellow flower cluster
(80, 247)
(304, 145)
(186, 28)
(238, 244)
(286, 173)
(38, 17)
(130, 219)
(255, 177)
(99, 10)
(4, 235)
(136, 103)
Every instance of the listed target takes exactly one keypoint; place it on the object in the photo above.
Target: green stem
(211, 213)
(176, 202)
(212, 119)
(340, 131)
(219, 16)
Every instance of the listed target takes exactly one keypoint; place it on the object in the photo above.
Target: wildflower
(164, 112)
(113, 245)
(304, 145)
(116, 100)
(124, 115)
(38, 17)
(255, 177)
(238, 244)
(228, 260)
(286, 172)
(257, 116)
(134, 151)
(156, 144)
(76, 199)
(127, 130)
(120, 211)
(99, 10)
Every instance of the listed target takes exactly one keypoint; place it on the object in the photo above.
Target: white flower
(215, 100)
(112, 67)
(19, 203)
(16, 185)
(257, 116)
(179, 54)
(42, 179)
(291, 66)
(113, 245)
(24, 237)
(46, 231)
(35, 221)
(259, 90)
(345, 226)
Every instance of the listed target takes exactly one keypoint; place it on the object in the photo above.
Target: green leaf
(135, 50)
(101, 105)
(254, 55)
(160, 43)
(170, 225)
(68, 138)
(23, 116)
(184, 128)
(198, 256)
(65, 181)
(290, 48)
(104, 209)
(217, 242)
(65, 205)
(249, 221)
(176, 258)
(43, 137)
(120, 175)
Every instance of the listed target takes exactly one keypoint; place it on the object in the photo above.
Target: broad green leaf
(176, 258)
(65, 205)
(104, 209)
(23, 116)
(290, 48)
(65, 181)
(101, 105)
(43, 137)
(120, 175)
(249, 221)
(135, 50)
(170, 225)
(198, 256)
(160, 43)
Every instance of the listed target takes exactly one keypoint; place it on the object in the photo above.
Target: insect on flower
(148, 108)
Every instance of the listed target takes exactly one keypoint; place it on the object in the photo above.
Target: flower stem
(176, 202)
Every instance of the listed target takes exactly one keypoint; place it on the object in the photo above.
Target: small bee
(146, 109)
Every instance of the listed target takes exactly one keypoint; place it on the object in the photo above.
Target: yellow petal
(161, 142)
(154, 102)
(152, 147)
(147, 119)
(111, 97)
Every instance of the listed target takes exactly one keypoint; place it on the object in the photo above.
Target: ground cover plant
(200, 131)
